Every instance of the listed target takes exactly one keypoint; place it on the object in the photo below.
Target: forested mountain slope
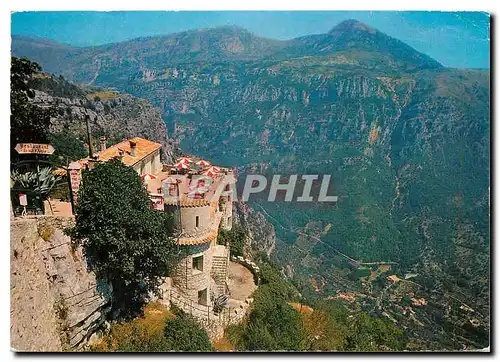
(406, 140)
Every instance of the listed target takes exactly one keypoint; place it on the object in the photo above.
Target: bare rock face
(119, 117)
(63, 301)
(33, 319)
(261, 234)
(83, 302)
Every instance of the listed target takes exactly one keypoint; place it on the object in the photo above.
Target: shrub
(183, 333)
(272, 324)
(235, 237)
(143, 334)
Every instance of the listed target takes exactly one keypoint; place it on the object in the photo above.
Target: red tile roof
(144, 148)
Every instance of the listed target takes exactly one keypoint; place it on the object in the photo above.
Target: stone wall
(189, 214)
(250, 265)
(227, 212)
(191, 281)
(213, 323)
(56, 303)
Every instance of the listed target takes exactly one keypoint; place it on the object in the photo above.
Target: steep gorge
(406, 140)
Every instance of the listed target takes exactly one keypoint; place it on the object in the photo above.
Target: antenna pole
(89, 135)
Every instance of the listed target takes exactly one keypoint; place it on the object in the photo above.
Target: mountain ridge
(405, 140)
(220, 44)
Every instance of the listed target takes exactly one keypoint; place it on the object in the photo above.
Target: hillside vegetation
(110, 113)
(406, 140)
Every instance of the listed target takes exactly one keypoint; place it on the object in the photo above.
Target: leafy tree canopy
(273, 324)
(125, 240)
(28, 122)
(235, 237)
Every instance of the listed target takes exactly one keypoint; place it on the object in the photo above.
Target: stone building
(201, 206)
(139, 153)
(201, 203)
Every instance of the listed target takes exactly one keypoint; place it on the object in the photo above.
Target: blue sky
(459, 39)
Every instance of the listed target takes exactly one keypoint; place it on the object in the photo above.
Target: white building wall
(188, 218)
(156, 165)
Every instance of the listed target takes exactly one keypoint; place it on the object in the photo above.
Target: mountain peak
(352, 25)
(221, 29)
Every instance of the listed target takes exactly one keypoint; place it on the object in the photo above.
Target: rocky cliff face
(111, 114)
(406, 141)
(261, 237)
(56, 303)
(34, 325)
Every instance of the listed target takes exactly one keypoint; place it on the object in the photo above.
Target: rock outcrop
(33, 321)
(112, 114)
(56, 303)
(261, 236)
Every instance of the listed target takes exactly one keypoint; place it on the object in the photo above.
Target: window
(172, 189)
(198, 263)
(202, 297)
(197, 221)
(229, 220)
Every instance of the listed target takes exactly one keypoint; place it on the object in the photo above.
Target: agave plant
(41, 182)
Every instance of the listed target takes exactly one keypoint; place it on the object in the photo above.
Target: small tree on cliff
(28, 122)
(125, 241)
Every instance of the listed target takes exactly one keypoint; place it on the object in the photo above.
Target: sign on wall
(34, 148)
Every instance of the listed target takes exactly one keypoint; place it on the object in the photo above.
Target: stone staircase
(220, 269)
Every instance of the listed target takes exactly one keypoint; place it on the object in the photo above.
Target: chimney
(120, 154)
(102, 143)
(92, 163)
(133, 149)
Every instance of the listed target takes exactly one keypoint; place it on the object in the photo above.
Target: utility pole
(89, 135)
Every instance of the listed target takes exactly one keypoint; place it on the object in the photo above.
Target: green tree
(28, 122)
(326, 325)
(273, 323)
(183, 333)
(68, 147)
(259, 338)
(124, 239)
(371, 334)
(235, 237)
(273, 317)
(272, 280)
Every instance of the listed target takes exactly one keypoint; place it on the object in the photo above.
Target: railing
(205, 315)
(188, 306)
(250, 265)
(226, 288)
